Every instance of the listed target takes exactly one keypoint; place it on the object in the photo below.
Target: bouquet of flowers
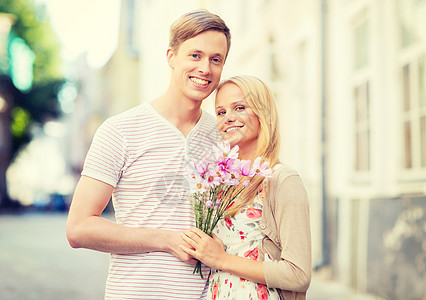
(216, 181)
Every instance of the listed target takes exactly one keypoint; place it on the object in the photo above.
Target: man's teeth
(199, 81)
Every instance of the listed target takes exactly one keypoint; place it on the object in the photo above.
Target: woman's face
(236, 121)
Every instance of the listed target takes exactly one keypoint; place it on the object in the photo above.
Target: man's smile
(199, 81)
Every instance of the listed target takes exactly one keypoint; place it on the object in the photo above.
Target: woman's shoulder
(287, 180)
(282, 171)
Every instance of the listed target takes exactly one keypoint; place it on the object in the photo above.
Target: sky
(85, 26)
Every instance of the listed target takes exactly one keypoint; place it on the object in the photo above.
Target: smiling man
(139, 158)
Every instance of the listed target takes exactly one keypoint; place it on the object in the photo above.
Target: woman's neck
(247, 152)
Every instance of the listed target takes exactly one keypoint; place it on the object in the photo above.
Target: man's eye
(216, 60)
(195, 55)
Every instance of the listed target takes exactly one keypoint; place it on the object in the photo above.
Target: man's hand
(175, 242)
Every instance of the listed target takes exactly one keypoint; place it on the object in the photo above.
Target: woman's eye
(219, 113)
(239, 108)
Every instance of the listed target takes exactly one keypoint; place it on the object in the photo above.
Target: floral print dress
(241, 236)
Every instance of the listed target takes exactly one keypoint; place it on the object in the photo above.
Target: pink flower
(227, 152)
(201, 167)
(252, 254)
(212, 179)
(262, 293)
(231, 178)
(229, 165)
(262, 169)
(228, 222)
(245, 168)
(253, 213)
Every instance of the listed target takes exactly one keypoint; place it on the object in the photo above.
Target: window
(422, 108)
(361, 95)
(274, 68)
(361, 45)
(413, 80)
(131, 27)
(411, 21)
(362, 127)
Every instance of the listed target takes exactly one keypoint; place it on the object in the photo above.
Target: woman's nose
(229, 118)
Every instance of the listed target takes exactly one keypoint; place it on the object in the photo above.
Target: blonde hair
(261, 101)
(195, 22)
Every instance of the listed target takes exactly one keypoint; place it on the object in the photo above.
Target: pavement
(36, 262)
(324, 288)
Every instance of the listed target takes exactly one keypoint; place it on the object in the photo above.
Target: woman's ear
(170, 57)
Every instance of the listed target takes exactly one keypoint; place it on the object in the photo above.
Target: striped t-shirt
(144, 157)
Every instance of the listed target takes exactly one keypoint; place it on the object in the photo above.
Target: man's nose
(204, 66)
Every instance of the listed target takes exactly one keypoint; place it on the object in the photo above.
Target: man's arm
(87, 229)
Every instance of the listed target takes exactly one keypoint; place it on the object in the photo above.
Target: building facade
(377, 145)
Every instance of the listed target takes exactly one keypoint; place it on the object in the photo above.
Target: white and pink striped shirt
(144, 157)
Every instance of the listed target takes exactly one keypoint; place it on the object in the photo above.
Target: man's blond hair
(195, 22)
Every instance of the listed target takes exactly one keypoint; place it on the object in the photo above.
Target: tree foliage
(40, 103)
(33, 26)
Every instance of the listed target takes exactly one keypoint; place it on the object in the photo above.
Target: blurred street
(36, 262)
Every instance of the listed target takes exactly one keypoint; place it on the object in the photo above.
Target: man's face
(197, 65)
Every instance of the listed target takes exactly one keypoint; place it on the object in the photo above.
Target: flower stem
(197, 269)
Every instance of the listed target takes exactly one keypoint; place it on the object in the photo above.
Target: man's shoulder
(208, 119)
(135, 112)
(127, 121)
(208, 126)
(208, 116)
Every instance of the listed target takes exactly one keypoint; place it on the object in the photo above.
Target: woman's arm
(292, 270)
(210, 251)
(87, 229)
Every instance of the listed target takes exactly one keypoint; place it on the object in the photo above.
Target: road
(36, 262)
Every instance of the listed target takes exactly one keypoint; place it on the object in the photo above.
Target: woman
(266, 233)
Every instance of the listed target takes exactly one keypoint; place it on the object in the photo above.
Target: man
(139, 157)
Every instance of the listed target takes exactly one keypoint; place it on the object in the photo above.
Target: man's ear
(170, 57)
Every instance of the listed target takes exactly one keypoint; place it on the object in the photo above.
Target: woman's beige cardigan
(285, 223)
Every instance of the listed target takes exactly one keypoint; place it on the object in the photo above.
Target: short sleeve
(107, 155)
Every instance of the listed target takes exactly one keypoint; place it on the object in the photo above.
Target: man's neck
(180, 112)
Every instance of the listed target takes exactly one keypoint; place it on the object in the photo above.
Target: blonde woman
(262, 249)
